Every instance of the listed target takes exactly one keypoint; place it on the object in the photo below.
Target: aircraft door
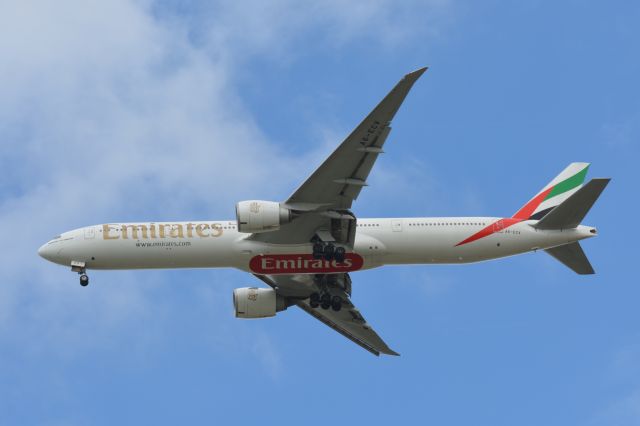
(89, 233)
(396, 225)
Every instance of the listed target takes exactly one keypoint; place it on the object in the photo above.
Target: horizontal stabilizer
(570, 212)
(572, 256)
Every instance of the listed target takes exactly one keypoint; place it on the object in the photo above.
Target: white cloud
(268, 355)
(285, 28)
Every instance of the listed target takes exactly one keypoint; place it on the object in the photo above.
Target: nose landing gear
(84, 280)
(81, 269)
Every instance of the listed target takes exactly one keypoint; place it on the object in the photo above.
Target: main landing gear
(325, 300)
(328, 251)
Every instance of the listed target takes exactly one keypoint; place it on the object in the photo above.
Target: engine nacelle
(255, 216)
(253, 302)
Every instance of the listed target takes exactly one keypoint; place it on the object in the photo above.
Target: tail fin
(572, 256)
(559, 189)
(570, 213)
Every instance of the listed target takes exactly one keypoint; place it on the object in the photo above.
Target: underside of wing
(342, 316)
(350, 323)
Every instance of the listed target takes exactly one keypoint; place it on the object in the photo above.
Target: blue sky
(175, 110)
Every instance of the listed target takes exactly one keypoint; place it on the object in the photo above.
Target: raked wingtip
(417, 73)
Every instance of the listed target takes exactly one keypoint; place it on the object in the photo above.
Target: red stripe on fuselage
(491, 229)
(523, 214)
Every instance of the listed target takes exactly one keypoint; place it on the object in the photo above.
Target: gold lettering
(200, 229)
(176, 231)
(134, 231)
(190, 230)
(152, 228)
(216, 229)
(105, 233)
(161, 228)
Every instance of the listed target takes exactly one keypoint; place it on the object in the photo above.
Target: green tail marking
(568, 184)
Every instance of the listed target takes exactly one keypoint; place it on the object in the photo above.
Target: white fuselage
(211, 244)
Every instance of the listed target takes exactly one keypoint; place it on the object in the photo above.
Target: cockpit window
(56, 237)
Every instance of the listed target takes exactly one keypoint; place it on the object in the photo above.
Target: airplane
(305, 248)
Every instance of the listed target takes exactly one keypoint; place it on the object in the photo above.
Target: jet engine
(253, 302)
(255, 216)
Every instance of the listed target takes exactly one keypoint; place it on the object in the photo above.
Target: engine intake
(253, 302)
(256, 216)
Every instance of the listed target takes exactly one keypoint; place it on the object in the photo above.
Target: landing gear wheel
(325, 301)
(336, 303)
(314, 300)
(84, 280)
(329, 250)
(339, 254)
(318, 250)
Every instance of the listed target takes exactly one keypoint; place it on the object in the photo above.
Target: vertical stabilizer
(559, 189)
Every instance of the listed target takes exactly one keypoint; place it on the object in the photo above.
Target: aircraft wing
(352, 325)
(330, 190)
(348, 321)
(338, 181)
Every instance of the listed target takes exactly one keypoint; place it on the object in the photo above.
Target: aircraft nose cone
(46, 252)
